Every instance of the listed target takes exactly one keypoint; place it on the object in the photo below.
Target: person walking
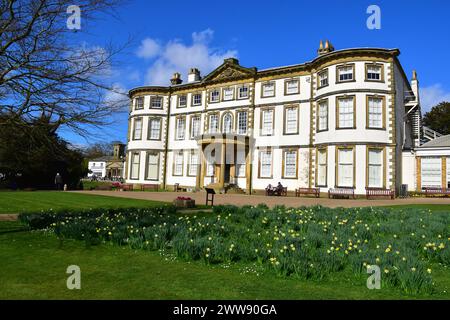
(58, 181)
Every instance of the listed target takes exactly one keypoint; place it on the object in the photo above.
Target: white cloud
(433, 95)
(149, 48)
(176, 56)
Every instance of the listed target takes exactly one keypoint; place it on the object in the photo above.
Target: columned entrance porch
(224, 161)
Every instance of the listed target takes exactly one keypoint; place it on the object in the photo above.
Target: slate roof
(440, 142)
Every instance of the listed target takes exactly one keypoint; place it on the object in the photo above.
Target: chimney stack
(194, 75)
(176, 79)
(324, 50)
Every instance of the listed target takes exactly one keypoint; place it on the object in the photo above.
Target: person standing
(58, 181)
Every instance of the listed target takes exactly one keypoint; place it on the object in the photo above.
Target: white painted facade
(303, 149)
(97, 168)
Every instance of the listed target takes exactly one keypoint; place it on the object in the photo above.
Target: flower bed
(307, 243)
(184, 202)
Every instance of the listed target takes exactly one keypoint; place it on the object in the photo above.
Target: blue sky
(170, 36)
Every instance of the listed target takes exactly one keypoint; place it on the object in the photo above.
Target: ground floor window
(375, 168)
(240, 163)
(265, 170)
(321, 167)
(431, 172)
(152, 166)
(193, 163)
(134, 174)
(290, 164)
(178, 163)
(345, 167)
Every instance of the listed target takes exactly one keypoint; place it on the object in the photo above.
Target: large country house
(349, 118)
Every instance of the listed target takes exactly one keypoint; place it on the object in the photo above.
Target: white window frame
(193, 163)
(267, 122)
(290, 169)
(322, 168)
(265, 163)
(322, 123)
(241, 90)
(375, 168)
(375, 112)
(214, 129)
(431, 172)
(348, 166)
(180, 130)
(322, 79)
(152, 129)
(195, 129)
(291, 125)
(214, 96)
(178, 163)
(182, 98)
(345, 71)
(370, 74)
(135, 165)
(268, 93)
(194, 96)
(228, 94)
(224, 127)
(290, 90)
(242, 122)
(139, 103)
(137, 131)
(346, 112)
(154, 99)
(156, 164)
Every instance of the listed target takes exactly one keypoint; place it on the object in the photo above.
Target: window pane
(290, 164)
(268, 89)
(323, 115)
(345, 73)
(181, 127)
(154, 129)
(375, 112)
(267, 125)
(137, 129)
(346, 113)
(266, 163)
(135, 166)
(140, 103)
(243, 92)
(182, 101)
(242, 122)
(375, 173)
(153, 168)
(214, 96)
(213, 123)
(228, 94)
(431, 172)
(227, 123)
(322, 168)
(291, 120)
(156, 102)
(178, 165)
(292, 86)
(345, 167)
(195, 127)
(193, 163)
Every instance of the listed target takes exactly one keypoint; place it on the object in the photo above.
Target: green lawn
(34, 266)
(26, 201)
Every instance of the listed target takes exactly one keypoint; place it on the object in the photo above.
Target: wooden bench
(126, 187)
(435, 191)
(314, 191)
(151, 187)
(379, 192)
(341, 193)
(275, 191)
(177, 188)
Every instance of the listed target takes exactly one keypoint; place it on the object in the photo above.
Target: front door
(227, 173)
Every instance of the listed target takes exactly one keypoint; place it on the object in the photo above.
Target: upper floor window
(213, 123)
(291, 120)
(214, 95)
(227, 123)
(267, 122)
(154, 129)
(322, 122)
(137, 131)
(345, 73)
(242, 122)
(182, 101)
(375, 112)
(268, 89)
(292, 86)
(243, 92)
(156, 103)
(323, 78)
(195, 126)
(196, 99)
(180, 129)
(345, 112)
(139, 103)
(374, 72)
(228, 94)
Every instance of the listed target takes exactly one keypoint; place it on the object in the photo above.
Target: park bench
(379, 192)
(177, 188)
(435, 191)
(314, 191)
(127, 187)
(150, 187)
(275, 191)
(341, 193)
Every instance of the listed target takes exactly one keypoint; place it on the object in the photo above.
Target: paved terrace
(239, 199)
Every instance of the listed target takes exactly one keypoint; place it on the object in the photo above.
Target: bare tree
(43, 75)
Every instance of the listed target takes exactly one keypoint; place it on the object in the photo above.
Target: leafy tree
(438, 118)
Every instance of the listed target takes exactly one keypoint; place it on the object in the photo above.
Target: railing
(430, 134)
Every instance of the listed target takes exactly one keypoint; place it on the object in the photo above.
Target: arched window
(227, 124)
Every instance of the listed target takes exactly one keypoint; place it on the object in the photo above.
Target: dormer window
(214, 95)
(345, 73)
